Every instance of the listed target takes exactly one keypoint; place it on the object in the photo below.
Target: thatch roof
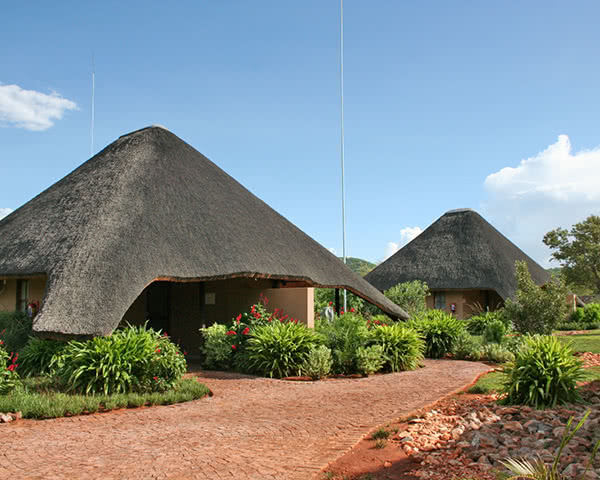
(150, 206)
(460, 250)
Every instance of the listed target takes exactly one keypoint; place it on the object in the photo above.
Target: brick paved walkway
(253, 428)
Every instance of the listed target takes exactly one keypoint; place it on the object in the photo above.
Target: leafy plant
(9, 378)
(466, 347)
(538, 470)
(369, 359)
(380, 433)
(343, 336)
(402, 346)
(131, 359)
(216, 348)
(280, 349)
(410, 296)
(536, 309)
(477, 324)
(15, 330)
(381, 443)
(318, 362)
(494, 332)
(494, 352)
(440, 332)
(544, 374)
(37, 356)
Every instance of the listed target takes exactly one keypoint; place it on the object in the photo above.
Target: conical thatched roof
(460, 250)
(150, 206)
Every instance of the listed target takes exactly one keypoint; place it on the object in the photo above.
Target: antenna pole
(342, 138)
(93, 106)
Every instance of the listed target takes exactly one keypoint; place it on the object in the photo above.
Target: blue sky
(492, 106)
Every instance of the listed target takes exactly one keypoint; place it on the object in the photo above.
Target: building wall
(466, 300)
(8, 297)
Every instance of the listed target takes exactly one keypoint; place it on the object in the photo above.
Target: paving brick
(251, 428)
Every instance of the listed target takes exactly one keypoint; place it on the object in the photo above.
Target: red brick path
(253, 428)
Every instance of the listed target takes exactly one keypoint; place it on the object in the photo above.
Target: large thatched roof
(460, 250)
(149, 206)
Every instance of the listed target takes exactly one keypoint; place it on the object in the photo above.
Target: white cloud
(4, 212)
(31, 110)
(551, 189)
(406, 235)
(332, 250)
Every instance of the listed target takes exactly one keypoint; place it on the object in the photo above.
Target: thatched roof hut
(459, 251)
(150, 207)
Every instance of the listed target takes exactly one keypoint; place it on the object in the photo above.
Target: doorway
(158, 306)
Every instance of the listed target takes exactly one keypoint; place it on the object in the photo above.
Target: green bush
(318, 362)
(477, 324)
(466, 347)
(280, 349)
(494, 332)
(369, 359)
(9, 378)
(410, 296)
(587, 318)
(402, 346)
(496, 353)
(134, 359)
(15, 330)
(37, 356)
(544, 374)
(513, 342)
(216, 348)
(440, 332)
(343, 336)
(536, 310)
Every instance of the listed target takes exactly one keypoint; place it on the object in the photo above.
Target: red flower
(246, 331)
(185, 352)
(238, 318)
(158, 350)
(284, 317)
(1, 342)
(352, 309)
(330, 303)
(156, 379)
(234, 347)
(12, 367)
(253, 309)
(230, 332)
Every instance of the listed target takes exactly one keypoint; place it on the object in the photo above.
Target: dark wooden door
(158, 305)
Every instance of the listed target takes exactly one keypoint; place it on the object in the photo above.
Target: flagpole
(342, 138)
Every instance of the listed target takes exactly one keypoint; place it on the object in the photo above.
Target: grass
(38, 399)
(381, 443)
(380, 434)
(585, 342)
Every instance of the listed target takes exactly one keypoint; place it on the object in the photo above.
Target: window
(439, 300)
(22, 295)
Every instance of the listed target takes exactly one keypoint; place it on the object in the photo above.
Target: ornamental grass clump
(494, 332)
(544, 374)
(216, 349)
(280, 349)
(318, 363)
(38, 355)
(466, 347)
(134, 359)
(440, 332)
(344, 335)
(369, 360)
(402, 346)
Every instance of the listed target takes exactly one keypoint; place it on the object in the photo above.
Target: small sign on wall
(210, 298)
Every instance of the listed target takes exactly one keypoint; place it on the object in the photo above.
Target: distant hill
(358, 265)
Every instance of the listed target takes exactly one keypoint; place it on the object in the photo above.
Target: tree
(536, 309)
(578, 251)
(410, 296)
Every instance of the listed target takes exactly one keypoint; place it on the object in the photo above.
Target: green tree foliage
(410, 296)
(326, 296)
(358, 265)
(536, 309)
(578, 250)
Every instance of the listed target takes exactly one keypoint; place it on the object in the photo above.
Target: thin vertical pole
(342, 136)
(93, 106)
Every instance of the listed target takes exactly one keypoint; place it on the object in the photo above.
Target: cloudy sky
(447, 105)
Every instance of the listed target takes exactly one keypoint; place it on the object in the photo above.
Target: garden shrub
(134, 359)
(536, 310)
(280, 349)
(496, 353)
(343, 336)
(15, 330)
(318, 362)
(216, 348)
(494, 332)
(410, 296)
(513, 342)
(477, 324)
(402, 346)
(466, 347)
(544, 374)
(587, 318)
(440, 332)
(369, 359)
(37, 356)
(9, 378)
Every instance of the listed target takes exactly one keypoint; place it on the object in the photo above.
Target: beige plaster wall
(466, 299)
(8, 298)
(298, 303)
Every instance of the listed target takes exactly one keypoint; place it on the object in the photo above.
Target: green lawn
(586, 342)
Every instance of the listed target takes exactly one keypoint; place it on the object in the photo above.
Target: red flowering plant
(9, 378)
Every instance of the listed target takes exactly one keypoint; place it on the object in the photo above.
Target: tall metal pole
(342, 137)
(93, 106)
